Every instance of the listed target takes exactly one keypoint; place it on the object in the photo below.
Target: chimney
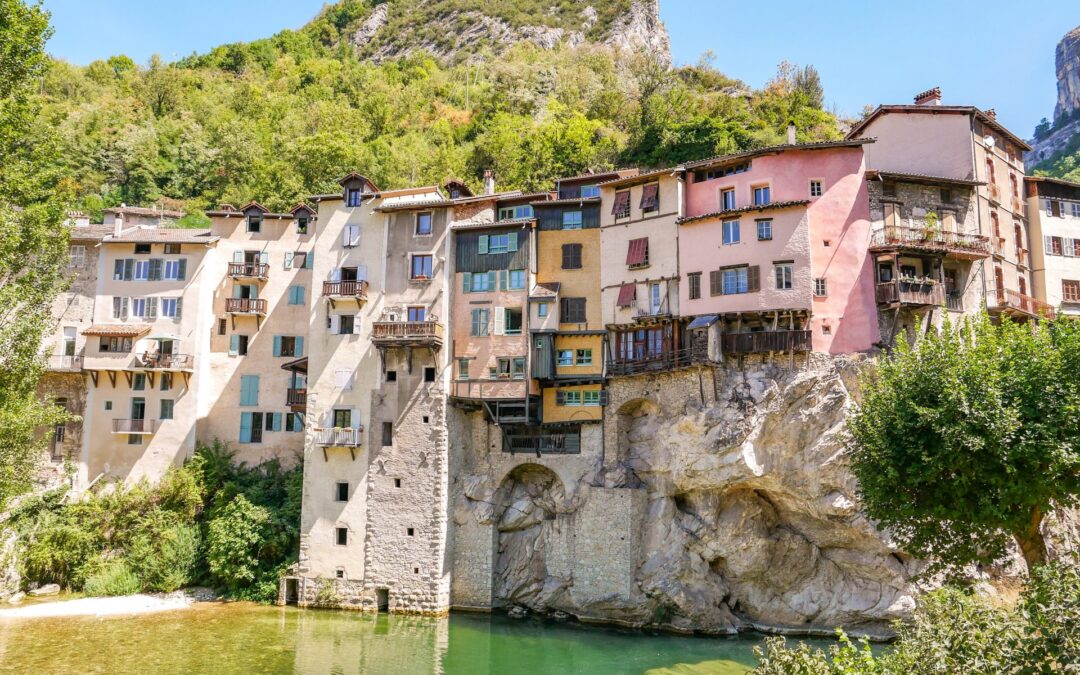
(929, 97)
(791, 133)
(489, 182)
(991, 113)
(118, 221)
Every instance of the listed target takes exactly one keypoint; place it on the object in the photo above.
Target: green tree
(971, 437)
(233, 541)
(33, 248)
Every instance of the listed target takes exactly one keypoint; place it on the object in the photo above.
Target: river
(247, 638)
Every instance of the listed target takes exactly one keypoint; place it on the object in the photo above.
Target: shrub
(233, 541)
(115, 578)
(164, 552)
(58, 551)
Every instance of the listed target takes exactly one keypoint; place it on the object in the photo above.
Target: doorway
(382, 599)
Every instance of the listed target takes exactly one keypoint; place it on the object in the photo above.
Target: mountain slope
(1056, 146)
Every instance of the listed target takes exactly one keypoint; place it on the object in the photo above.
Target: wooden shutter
(151, 308)
(288, 259)
(179, 308)
(753, 279)
(650, 197)
(637, 252)
(299, 346)
(716, 282)
(118, 270)
(500, 320)
(129, 269)
(356, 324)
(155, 270)
(277, 345)
(560, 397)
(482, 244)
(502, 280)
(603, 397)
(621, 206)
(238, 257)
(513, 241)
(466, 282)
(627, 295)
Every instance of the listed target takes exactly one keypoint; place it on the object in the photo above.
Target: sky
(989, 53)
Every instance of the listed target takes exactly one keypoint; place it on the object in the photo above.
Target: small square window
(826, 330)
(820, 288)
(397, 482)
(341, 492)
(429, 374)
(764, 230)
(222, 326)
(108, 405)
(341, 536)
(410, 531)
(423, 224)
(172, 249)
(387, 434)
(542, 309)
(142, 248)
(339, 573)
(254, 223)
(427, 420)
(815, 188)
(391, 376)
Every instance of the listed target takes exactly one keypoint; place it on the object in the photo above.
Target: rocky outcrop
(1067, 61)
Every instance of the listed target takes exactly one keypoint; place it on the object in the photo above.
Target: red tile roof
(775, 206)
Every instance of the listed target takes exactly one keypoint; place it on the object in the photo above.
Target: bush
(58, 550)
(164, 553)
(115, 578)
(233, 541)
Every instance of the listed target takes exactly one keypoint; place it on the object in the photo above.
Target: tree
(1043, 128)
(971, 437)
(33, 250)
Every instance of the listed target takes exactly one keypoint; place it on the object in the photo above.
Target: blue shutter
(234, 345)
(309, 260)
(483, 244)
(502, 280)
(277, 421)
(299, 346)
(491, 280)
(245, 427)
(300, 295)
(277, 345)
(249, 390)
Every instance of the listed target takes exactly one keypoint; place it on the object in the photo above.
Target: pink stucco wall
(832, 232)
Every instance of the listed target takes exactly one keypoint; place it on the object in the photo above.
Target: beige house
(1053, 208)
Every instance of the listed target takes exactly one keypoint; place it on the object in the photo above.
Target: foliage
(33, 248)
(164, 552)
(326, 594)
(233, 542)
(1065, 163)
(115, 578)
(970, 437)
(955, 632)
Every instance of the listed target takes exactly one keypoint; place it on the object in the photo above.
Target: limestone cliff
(1067, 62)
(721, 500)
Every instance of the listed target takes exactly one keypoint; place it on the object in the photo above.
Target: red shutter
(627, 295)
(650, 197)
(621, 207)
(638, 252)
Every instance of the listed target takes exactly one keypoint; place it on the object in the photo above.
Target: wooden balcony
(407, 334)
(259, 271)
(252, 306)
(539, 443)
(655, 363)
(296, 398)
(1014, 303)
(63, 363)
(763, 342)
(491, 390)
(345, 290)
(914, 293)
(155, 361)
(950, 244)
(340, 437)
(135, 427)
(645, 311)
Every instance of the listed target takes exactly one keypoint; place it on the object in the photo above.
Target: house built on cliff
(1053, 208)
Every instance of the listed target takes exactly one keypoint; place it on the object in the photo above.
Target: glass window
(517, 280)
(514, 212)
(542, 309)
(764, 230)
(591, 398)
(727, 199)
(731, 232)
(590, 191)
(423, 224)
(572, 398)
(517, 368)
(142, 270)
(78, 256)
(571, 220)
(481, 282)
(139, 382)
(172, 270)
(783, 273)
(421, 267)
(166, 409)
(695, 285)
(254, 223)
(463, 369)
(815, 188)
(417, 313)
(1076, 209)
(346, 324)
(353, 198)
(481, 318)
(142, 248)
(566, 357)
(138, 307)
(584, 357)
(735, 281)
(821, 290)
(761, 195)
(499, 243)
(302, 225)
(169, 307)
(513, 321)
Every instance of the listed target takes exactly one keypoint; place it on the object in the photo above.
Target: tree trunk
(1031, 541)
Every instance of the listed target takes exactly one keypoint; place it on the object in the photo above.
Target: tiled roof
(939, 110)
(165, 235)
(824, 145)
(117, 330)
(547, 289)
(921, 178)
(576, 200)
(489, 224)
(94, 232)
(621, 173)
(642, 177)
(418, 204)
(775, 206)
(1052, 181)
(143, 211)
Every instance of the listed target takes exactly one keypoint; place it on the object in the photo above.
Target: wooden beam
(112, 377)
(94, 377)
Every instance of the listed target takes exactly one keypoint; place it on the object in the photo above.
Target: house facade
(1053, 208)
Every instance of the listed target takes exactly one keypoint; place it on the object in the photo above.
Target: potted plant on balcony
(932, 226)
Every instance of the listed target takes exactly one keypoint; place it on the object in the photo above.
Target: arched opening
(529, 501)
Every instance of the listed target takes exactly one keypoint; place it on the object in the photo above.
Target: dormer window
(352, 197)
(302, 223)
(254, 222)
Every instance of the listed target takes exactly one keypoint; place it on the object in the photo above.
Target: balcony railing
(954, 243)
(910, 293)
(65, 362)
(954, 301)
(504, 389)
(1016, 301)
(345, 289)
(134, 426)
(296, 397)
(766, 341)
(249, 270)
(407, 332)
(654, 363)
(646, 310)
(543, 443)
(245, 306)
(340, 437)
(166, 361)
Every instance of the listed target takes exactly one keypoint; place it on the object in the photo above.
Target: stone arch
(636, 426)
(527, 552)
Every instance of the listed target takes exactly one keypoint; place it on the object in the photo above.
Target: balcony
(63, 363)
(297, 398)
(136, 427)
(951, 244)
(1017, 304)
(788, 341)
(910, 292)
(542, 443)
(954, 301)
(157, 361)
(345, 290)
(647, 311)
(259, 271)
(407, 334)
(252, 306)
(340, 437)
(505, 389)
(655, 363)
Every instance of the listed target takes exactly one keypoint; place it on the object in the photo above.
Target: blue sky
(990, 53)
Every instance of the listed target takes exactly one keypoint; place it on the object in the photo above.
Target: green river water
(246, 638)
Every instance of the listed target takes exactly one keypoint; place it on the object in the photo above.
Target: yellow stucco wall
(576, 342)
(579, 283)
(571, 413)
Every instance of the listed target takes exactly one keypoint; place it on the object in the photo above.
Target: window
(479, 282)
(166, 381)
(481, 318)
(77, 256)
(730, 170)
(584, 357)
(821, 289)
(1053, 245)
(416, 313)
(421, 267)
(139, 382)
(341, 492)
(591, 398)
(429, 374)
(815, 188)
(342, 418)
(170, 308)
(387, 434)
(784, 273)
(572, 398)
(288, 345)
(222, 326)
(423, 224)
(142, 249)
(565, 357)
(302, 223)
(650, 198)
(512, 321)
(142, 270)
(294, 422)
(590, 191)
(123, 269)
(352, 198)
(341, 534)
(1015, 185)
(892, 214)
(573, 310)
(114, 345)
(108, 405)
(249, 390)
(296, 295)
(172, 249)
(727, 199)
(571, 256)
(500, 243)
(175, 269)
(733, 280)
(695, 285)
(254, 222)
(1070, 290)
(463, 369)
(542, 309)
(1076, 209)
(637, 253)
(571, 220)
(391, 376)
(346, 324)
(516, 280)
(517, 368)
(731, 232)
(166, 409)
(946, 196)
(764, 230)
(238, 345)
(761, 195)
(514, 212)
(621, 207)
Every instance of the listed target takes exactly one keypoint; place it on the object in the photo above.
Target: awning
(297, 365)
(637, 253)
(163, 336)
(627, 295)
(117, 330)
(703, 321)
(650, 197)
(621, 207)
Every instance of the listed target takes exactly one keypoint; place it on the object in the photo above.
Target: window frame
(572, 224)
(731, 232)
(764, 229)
(784, 275)
(759, 190)
(693, 280)
(576, 253)
(419, 219)
(817, 187)
(821, 287)
(429, 267)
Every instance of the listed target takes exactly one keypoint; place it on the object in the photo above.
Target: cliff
(1067, 62)
(1055, 148)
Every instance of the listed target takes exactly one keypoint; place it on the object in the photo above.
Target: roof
(117, 330)
(352, 174)
(300, 365)
(642, 177)
(703, 321)
(921, 178)
(1054, 181)
(775, 206)
(165, 235)
(939, 110)
(144, 211)
(489, 224)
(417, 204)
(774, 149)
(547, 289)
(618, 173)
(575, 200)
(94, 232)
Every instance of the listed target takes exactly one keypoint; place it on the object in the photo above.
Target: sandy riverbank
(120, 606)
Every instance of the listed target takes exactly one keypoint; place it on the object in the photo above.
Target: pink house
(774, 246)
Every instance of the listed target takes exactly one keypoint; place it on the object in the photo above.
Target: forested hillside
(284, 117)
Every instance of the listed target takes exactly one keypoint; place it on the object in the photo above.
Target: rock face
(1067, 60)
(724, 500)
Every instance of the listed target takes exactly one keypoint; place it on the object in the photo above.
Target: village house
(1053, 208)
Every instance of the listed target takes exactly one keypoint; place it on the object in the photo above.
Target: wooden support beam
(93, 377)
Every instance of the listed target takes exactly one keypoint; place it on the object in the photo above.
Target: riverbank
(128, 605)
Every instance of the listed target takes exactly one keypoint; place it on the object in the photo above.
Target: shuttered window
(621, 207)
(249, 390)
(571, 256)
(650, 197)
(637, 253)
(573, 310)
(627, 295)
(1070, 290)
(695, 284)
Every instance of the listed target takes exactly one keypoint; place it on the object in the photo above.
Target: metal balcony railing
(933, 240)
(65, 362)
(340, 437)
(134, 426)
(543, 443)
(245, 306)
(249, 270)
(166, 361)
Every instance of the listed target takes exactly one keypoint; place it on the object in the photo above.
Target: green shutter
(483, 244)
(309, 260)
(277, 421)
(179, 308)
(491, 280)
(466, 281)
(181, 271)
(299, 346)
(513, 241)
(249, 390)
(502, 280)
(277, 345)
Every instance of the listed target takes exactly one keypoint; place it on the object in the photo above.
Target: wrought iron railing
(340, 437)
(166, 361)
(543, 443)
